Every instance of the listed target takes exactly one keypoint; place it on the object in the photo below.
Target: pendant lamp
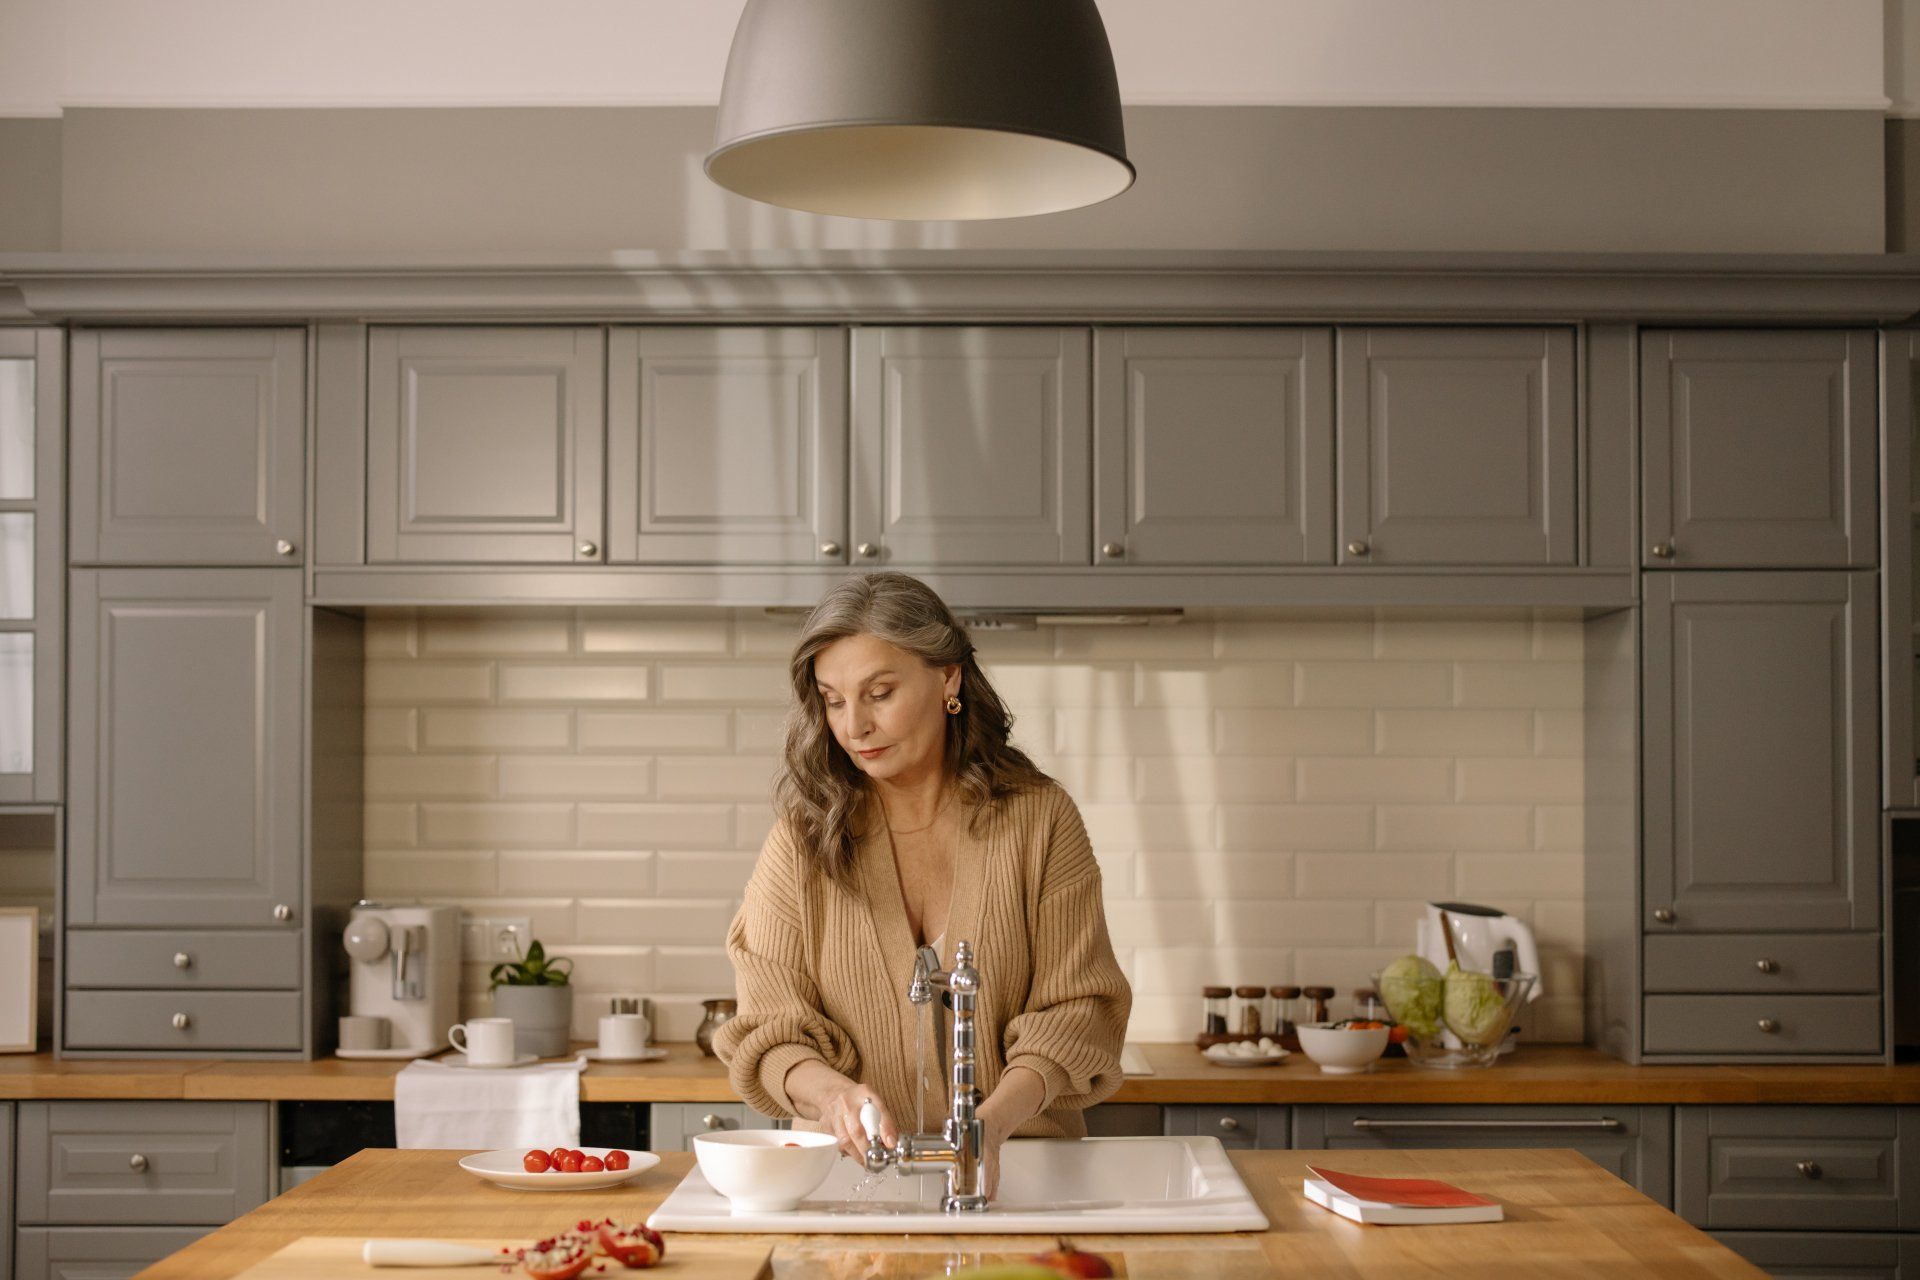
(921, 109)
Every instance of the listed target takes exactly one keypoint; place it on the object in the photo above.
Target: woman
(906, 818)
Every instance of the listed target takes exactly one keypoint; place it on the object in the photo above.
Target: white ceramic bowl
(765, 1170)
(1345, 1051)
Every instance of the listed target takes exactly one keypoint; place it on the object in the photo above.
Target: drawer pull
(1358, 548)
(138, 1164)
(1604, 1123)
(1113, 550)
(831, 549)
(283, 913)
(1808, 1169)
(712, 1121)
(1229, 1125)
(181, 960)
(1663, 550)
(1766, 966)
(181, 1022)
(283, 548)
(1768, 1026)
(1663, 914)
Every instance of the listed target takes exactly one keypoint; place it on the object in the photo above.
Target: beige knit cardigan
(822, 971)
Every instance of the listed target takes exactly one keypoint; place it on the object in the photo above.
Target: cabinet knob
(1113, 550)
(1807, 1168)
(1766, 966)
(1358, 547)
(868, 550)
(1662, 550)
(589, 550)
(283, 913)
(1768, 1026)
(181, 960)
(1663, 914)
(283, 547)
(181, 1022)
(1229, 1125)
(137, 1163)
(829, 548)
(712, 1121)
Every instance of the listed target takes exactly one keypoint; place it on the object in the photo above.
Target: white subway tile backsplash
(423, 683)
(1336, 779)
(1454, 636)
(1158, 643)
(497, 825)
(696, 971)
(1559, 733)
(1375, 684)
(612, 969)
(490, 634)
(390, 730)
(391, 636)
(1231, 684)
(731, 684)
(1324, 731)
(1033, 685)
(714, 777)
(1519, 684)
(391, 826)
(1296, 826)
(1422, 731)
(575, 684)
(1373, 875)
(1149, 826)
(1294, 923)
(450, 729)
(656, 826)
(1538, 781)
(1113, 731)
(1209, 876)
(416, 872)
(703, 873)
(429, 777)
(1091, 779)
(651, 634)
(653, 730)
(1519, 875)
(1182, 971)
(1438, 826)
(582, 872)
(576, 777)
(760, 731)
(1139, 923)
(1320, 636)
(642, 922)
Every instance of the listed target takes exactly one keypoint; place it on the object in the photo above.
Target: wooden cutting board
(323, 1257)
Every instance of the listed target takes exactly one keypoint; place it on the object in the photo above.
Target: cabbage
(1411, 987)
(1475, 1008)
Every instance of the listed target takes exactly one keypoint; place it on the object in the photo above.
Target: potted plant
(533, 992)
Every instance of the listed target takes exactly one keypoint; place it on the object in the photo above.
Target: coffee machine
(406, 969)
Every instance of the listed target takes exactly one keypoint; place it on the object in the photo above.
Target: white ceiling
(58, 54)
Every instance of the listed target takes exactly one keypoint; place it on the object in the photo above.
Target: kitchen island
(1565, 1216)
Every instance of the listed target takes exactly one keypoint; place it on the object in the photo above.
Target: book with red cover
(1403, 1193)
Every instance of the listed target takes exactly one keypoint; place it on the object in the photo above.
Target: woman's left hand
(1016, 1100)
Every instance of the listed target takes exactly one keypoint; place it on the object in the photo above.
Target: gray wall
(1212, 177)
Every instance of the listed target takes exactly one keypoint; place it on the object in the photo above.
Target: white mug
(624, 1035)
(487, 1042)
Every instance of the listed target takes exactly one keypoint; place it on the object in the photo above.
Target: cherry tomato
(617, 1160)
(537, 1161)
(570, 1163)
(556, 1155)
(592, 1164)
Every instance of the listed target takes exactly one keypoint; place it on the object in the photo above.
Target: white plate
(505, 1167)
(417, 1051)
(460, 1060)
(645, 1055)
(1235, 1060)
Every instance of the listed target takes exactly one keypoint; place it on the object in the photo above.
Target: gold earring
(953, 704)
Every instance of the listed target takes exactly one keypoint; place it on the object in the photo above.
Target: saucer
(460, 1060)
(645, 1055)
(415, 1051)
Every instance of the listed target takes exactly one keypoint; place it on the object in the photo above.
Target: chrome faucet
(956, 1149)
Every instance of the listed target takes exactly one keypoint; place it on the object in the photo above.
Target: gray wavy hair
(820, 791)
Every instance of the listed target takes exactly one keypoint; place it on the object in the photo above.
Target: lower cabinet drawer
(1763, 962)
(171, 959)
(1827, 1253)
(183, 1020)
(1742, 1026)
(137, 1163)
(1632, 1143)
(672, 1126)
(1238, 1128)
(96, 1253)
(1798, 1168)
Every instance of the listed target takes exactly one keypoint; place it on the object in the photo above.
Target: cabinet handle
(829, 548)
(868, 550)
(712, 1121)
(181, 1022)
(283, 547)
(1766, 966)
(1229, 1125)
(1807, 1168)
(1112, 550)
(283, 913)
(1607, 1123)
(181, 960)
(1663, 914)
(1662, 550)
(589, 550)
(138, 1163)
(1768, 1026)
(1358, 548)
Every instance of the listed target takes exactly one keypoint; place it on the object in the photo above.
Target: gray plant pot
(542, 1018)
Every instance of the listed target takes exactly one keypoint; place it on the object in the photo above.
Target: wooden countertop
(1536, 1074)
(1565, 1217)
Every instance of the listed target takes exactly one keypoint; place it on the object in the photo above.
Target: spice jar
(1283, 1010)
(1319, 996)
(1246, 1010)
(1215, 1008)
(1366, 1004)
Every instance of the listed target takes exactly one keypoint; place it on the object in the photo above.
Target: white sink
(1095, 1185)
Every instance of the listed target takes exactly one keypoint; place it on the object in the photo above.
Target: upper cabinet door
(1758, 449)
(1456, 446)
(727, 446)
(33, 570)
(1761, 790)
(185, 738)
(1213, 446)
(971, 446)
(188, 446)
(485, 444)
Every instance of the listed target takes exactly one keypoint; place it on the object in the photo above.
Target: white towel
(444, 1107)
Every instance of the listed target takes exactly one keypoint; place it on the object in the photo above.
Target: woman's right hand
(840, 1116)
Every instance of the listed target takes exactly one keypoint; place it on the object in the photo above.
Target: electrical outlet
(491, 939)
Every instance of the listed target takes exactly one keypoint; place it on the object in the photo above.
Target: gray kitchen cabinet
(186, 761)
(486, 444)
(1758, 449)
(1125, 1120)
(971, 446)
(165, 1163)
(32, 563)
(6, 1190)
(1251, 1128)
(1213, 446)
(1900, 520)
(1456, 446)
(1761, 773)
(98, 1253)
(1787, 1167)
(672, 1126)
(1775, 1026)
(1763, 963)
(183, 959)
(1827, 1255)
(184, 1020)
(1633, 1143)
(189, 446)
(727, 446)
